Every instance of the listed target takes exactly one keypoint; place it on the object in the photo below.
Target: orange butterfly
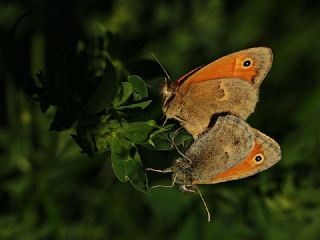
(227, 85)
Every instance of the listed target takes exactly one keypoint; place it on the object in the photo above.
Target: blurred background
(49, 190)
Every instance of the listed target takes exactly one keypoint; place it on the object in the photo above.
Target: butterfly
(230, 150)
(227, 85)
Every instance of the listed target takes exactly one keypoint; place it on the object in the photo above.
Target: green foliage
(93, 87)
(104, 93)
(101, 121)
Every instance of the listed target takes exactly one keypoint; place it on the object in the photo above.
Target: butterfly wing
(233, 65)
(209, 90)
(265, 153)
(228, 142)
(205, 99)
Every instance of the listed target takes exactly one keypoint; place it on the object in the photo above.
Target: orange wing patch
(237, 171)
(226, 67)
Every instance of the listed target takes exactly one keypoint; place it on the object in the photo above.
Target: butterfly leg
(175, 146)
(188, 188)
(165, 186)
(167, 170)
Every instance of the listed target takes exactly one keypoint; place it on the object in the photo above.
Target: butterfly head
(182, 172)
(167, 92)
(171, 106)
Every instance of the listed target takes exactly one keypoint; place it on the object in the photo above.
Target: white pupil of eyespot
(247, 63)
(258, 158)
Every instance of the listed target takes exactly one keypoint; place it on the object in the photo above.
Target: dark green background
(49, 190)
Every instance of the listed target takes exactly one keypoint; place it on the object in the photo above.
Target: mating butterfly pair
(226, 89)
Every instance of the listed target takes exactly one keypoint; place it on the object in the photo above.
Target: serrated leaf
(141, 105)
(139, 86)
(123, 94)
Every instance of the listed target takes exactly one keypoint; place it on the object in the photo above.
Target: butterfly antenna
(167, 78)
(204, 203)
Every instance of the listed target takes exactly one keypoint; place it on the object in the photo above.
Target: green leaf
(161, 139)
(123, 94)
(138, 132)
(136, 173)
(139, 87)
(120, 151)
(181, 138)
(126, 162)
(141, 105)
(85, 143)
(105, 131)
(105, 92)
(85, 138)
(158, 139)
